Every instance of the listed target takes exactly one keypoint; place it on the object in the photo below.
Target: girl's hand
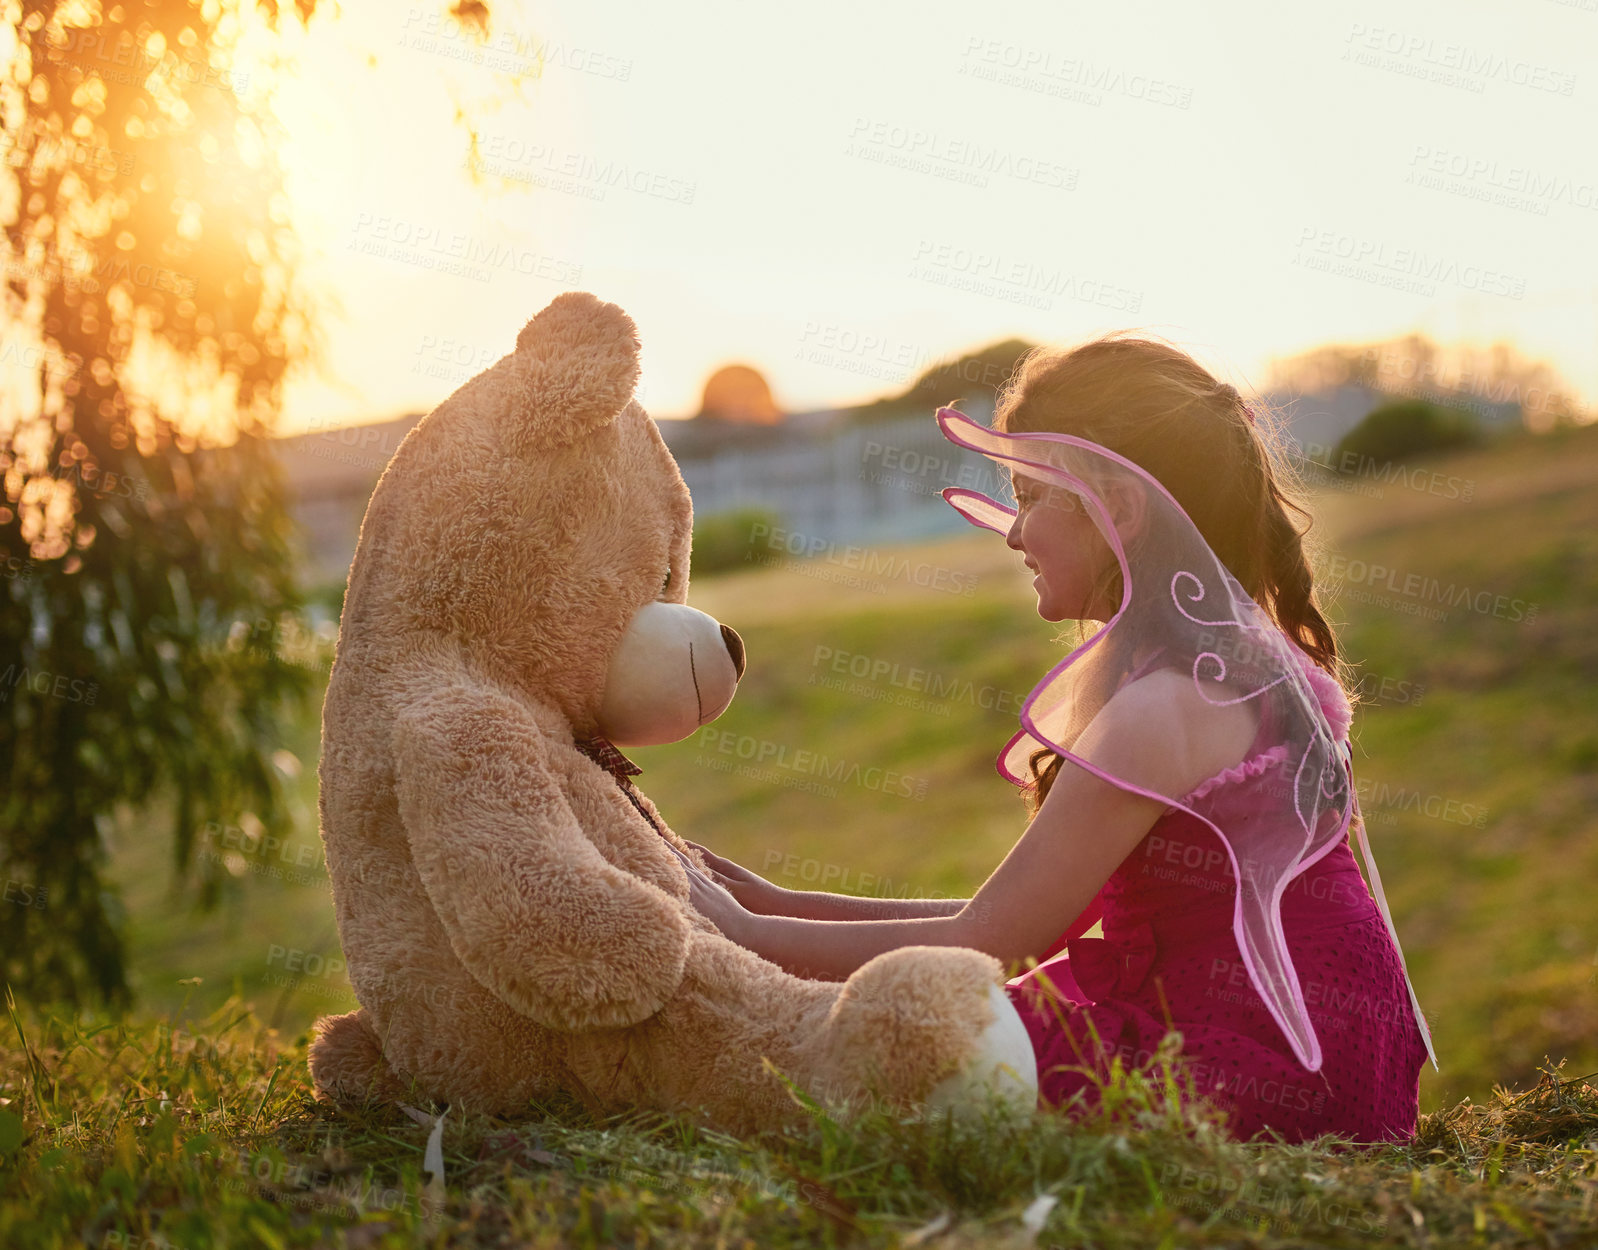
(753, 892)
(714, 902)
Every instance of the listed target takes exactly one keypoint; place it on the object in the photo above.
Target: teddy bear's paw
(346, 1060)
(577, 365)
(924, 1018)
(1003, 1068)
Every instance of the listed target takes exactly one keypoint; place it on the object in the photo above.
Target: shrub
(1407, 428)
(728, 540)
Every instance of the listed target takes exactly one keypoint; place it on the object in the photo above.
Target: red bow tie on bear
(604, 753)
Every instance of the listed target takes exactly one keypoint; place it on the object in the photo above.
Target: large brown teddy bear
(513, 914)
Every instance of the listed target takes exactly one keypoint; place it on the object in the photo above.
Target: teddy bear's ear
(576, 367)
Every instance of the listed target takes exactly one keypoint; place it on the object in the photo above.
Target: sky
(842, 194)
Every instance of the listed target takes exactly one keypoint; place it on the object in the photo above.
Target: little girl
(1187, 767)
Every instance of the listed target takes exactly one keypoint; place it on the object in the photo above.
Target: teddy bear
(513, 909)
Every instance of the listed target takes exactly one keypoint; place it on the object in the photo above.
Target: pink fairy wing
(1186, 609)
(979, 509)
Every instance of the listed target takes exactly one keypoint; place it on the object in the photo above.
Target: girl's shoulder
(1169, 736)
(1213, 744)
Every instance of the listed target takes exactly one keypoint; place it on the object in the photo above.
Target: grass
(191, 1123)
(119, 1134)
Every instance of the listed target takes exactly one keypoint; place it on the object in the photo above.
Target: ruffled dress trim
(1253, 766)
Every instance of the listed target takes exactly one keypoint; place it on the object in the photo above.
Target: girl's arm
(760, 896)
(819, 905)
(1081, 833)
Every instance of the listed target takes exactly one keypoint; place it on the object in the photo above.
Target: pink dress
(1168, 954)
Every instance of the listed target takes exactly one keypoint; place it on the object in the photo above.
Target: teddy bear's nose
(735, 648)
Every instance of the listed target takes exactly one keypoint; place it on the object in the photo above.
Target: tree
(152, 310)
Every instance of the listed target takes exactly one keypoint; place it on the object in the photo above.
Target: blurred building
(825, 475)
(829, 476)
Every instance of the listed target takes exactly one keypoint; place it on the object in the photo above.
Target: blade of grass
(36, 1073)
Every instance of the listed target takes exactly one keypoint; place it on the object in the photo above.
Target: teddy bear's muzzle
(675, 670)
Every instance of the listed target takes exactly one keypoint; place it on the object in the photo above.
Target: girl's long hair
(1161, 409)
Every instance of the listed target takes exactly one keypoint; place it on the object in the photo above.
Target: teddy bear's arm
(531, 908)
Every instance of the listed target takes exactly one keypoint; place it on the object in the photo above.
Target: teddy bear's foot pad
(1004, 1067)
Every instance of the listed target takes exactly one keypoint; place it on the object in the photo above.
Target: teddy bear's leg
(913, 1025)
(347, 1063)
(929, 1026)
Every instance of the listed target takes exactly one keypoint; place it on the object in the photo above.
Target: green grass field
(1477, 754)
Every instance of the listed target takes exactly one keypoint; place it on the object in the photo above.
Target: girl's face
(1062, 546)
